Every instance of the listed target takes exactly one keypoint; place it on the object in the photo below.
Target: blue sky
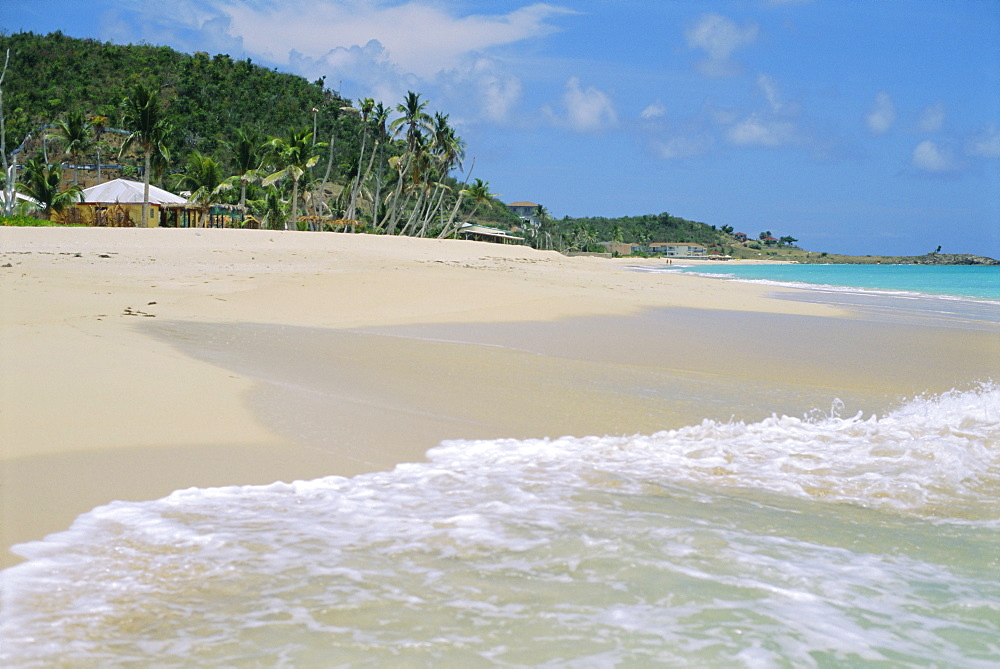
(854, 126)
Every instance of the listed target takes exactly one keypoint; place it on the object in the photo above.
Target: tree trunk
(357, 179)
(326, 175)
(145, 189)
(458, 203)
(417, 206)
(379, 179)
(451, 219)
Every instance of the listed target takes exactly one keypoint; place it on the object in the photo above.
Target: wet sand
(137, 362)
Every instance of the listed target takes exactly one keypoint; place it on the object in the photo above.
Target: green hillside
(207, 101)
(206, 98)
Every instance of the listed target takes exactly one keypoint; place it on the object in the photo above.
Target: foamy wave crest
(936, 457)
(573, 551)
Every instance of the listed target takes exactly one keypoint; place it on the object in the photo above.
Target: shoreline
(143, 361)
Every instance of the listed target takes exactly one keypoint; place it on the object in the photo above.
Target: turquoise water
(964, 281)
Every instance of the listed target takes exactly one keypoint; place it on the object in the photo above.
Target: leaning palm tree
(149, 130)
(294, 155)
(74, 131)
(42, 181)
(367, 106)
(448, 150)
(412, 123)
(479, 193)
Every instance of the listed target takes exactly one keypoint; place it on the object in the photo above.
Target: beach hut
(119, 203)
(482, 233)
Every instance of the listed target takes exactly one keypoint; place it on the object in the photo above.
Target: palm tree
(149, 130)
(99, 124)
(247, 157)
(617, 234)
(479, 193)
(413, 120)
(367, 106)
(380, 119)
(74, 131)
(270, 210)
(203, 178)
(41, 181)
(544, 231)
(448, 150)
(294, 155)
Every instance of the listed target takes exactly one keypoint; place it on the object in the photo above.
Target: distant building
(678, 249)
(482, 233)
(623, 249)
(118, 203)
(668, 249)
(740, 236)
(527, 212)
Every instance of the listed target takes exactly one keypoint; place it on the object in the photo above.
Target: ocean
(827, 539)
(949, 282)
(948, 295)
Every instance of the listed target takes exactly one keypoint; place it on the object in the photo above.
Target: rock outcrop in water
(953, 259)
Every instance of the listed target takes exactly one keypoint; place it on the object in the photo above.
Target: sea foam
(808, 540)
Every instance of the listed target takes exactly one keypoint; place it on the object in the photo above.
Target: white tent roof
(19, 196)
(125, 191)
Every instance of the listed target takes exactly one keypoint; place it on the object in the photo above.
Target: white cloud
(682, 147)
(498, 96)
(769, 87)
(587, 109)
(719, 37)
(758, 131)
(653, 111)
(882, 114)
(930, 157)
(377, 48)
(986, 144)
(421, 37)
(418, 36)
(495, 92)
(932, 118)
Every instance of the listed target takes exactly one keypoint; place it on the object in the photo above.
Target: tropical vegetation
(278, 150)
(281, 151)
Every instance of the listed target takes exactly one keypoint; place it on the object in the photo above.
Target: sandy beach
(138, 362)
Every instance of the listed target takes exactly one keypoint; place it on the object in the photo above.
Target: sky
(855, 126)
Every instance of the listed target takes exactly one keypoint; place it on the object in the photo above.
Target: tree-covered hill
(584, 232)
(206, 98)
(387, 166)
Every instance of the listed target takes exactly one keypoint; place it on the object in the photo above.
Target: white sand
(94, 408)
